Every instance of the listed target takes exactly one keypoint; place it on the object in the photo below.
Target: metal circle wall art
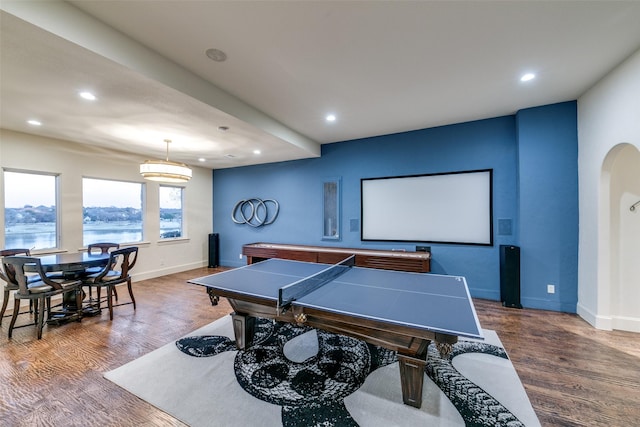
(255, 212)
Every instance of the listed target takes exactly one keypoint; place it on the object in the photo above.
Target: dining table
(71, 265)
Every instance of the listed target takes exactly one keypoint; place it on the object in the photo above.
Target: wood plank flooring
(574, 374)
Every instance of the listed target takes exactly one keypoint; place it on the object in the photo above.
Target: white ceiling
(380, 67)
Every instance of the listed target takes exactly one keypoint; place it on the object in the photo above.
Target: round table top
(72, 261)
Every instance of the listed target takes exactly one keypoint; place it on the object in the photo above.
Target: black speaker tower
(510, 276)
(214, 247)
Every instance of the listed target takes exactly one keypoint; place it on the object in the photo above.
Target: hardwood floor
(574, 374)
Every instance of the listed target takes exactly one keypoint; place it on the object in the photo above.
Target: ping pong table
(397, 310)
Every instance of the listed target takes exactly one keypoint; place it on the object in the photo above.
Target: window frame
(142, 208)
(182, 212)
(58, 216)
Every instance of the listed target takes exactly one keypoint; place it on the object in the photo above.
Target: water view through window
(170, 212)
(112, 211)
(30, 212)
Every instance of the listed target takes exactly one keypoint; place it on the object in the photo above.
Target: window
(30, 210)
(171, 212)
(112, 211)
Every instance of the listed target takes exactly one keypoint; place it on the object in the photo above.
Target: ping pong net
(289, 293)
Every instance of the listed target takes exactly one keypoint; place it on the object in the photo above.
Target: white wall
(608, 122)
(625, 232)
(75, 161)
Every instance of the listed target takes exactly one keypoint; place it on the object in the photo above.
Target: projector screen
(451, 207)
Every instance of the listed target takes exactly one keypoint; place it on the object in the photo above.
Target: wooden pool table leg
(412, 379)
(243, 328)
(212, 296)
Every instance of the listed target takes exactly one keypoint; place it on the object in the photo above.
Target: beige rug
(300, 377)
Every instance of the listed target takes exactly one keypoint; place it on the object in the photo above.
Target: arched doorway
(619, 281)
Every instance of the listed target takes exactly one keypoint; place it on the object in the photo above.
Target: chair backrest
(103, 247)
(14, 267)
(126, 258)
(11, 252)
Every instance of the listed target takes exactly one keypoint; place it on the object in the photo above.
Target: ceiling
(380, 67)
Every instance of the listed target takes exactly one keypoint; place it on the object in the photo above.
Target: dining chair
(8, 286)
(100, 248)
(39, 291)
(110, 276)
(103, 247)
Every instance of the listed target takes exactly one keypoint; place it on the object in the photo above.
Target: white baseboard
(623, 323)
(609, 323)
(152, 274)
(595, 320)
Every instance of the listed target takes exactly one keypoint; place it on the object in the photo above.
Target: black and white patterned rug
(299, 376)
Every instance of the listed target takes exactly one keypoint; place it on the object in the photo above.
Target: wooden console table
(418, 262)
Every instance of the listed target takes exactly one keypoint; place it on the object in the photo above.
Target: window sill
(173, 241)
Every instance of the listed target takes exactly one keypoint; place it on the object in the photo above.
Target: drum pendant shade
(165, 170)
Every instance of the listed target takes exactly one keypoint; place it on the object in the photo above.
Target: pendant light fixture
(165, 170)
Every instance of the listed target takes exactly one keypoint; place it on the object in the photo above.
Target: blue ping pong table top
(432, 302)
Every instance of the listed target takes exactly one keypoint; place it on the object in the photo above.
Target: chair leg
(33, 307)
(79, 304)
(16, 308)
(98, 298)
(40, 323)
(115, 293)
(37, 308)
(110, 301)
(133, 300)
(4, 304)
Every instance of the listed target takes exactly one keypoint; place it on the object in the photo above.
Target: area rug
(299, 376)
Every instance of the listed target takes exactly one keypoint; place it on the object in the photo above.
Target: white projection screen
(451, 207)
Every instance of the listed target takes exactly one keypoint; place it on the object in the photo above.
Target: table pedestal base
(61, 317)
(69, 309)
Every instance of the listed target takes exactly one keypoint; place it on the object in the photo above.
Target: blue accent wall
(510, 145)
(548, 175)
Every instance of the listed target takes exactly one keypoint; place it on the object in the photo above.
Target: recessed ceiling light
(34, 122)
(229, 156)
(256, 151)
(216, 55)
(527, 77)
(202, 159)
(88, 95)
(330, 118)
(223, 128)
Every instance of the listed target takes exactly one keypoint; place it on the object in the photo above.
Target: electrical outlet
(551, 289)
(240, 256)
